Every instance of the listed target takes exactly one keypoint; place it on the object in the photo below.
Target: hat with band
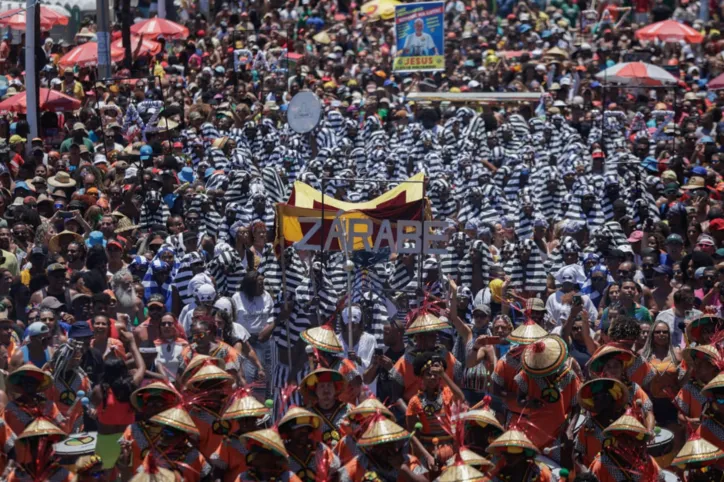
(705, 352)
(297, 417)
(243, 405)
(698, 325)
(461, 471)
(323, 338)
(177, 418)
(545, 356)
(323, 375)
(697, 453)
(483, 415)
(627, 424)
(468, 457)
(513, 441)
(368, 408)
(45, 380)
(158, 391)
(527, 333)
(266, 439)
(716, 385)
(426, 323)
(196, 363)
(209, 373)
(615, 388)
(606, 352)
(41, 427)
(381, 431)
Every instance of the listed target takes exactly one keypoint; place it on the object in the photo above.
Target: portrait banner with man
(420, 37)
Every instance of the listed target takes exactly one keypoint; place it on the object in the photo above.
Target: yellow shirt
(77, 90)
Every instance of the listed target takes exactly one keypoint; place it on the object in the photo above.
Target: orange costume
(112, 345)
(690, 399)
(404, 374)
(212, 430)
(506, 368)
(19, 415)
(230, 456)
(355, 469)
(231, 357)
(427, 412)
(330, 422)
(607, 468)
(536, 472)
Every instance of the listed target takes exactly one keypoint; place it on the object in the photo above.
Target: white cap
(356, 315)
(224, 304)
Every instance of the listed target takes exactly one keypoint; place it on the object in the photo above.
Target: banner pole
(285, 295)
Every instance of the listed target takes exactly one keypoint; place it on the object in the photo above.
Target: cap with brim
(369, 407)
(705, 352)
(245, 405)
(323, 338)
(716, 383)
(124, 224)
(268, 439)
(177, 418)
(209, 373)
(426, 323)
(61, 179)
(545, 357)
(41, 427)
(323, 375)
(527, 333)
(154, 390)
(615, 388)
(29, 370)
(461, 472)
(63, 238)
(382, 431)
(197, 362)
(627, 424)
(695, 182)
(696, 453)
(470, 458)
(512, 441)
(155, 302)
(695, 325)
(605, 353)
(299, 417)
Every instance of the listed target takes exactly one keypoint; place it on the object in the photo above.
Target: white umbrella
(637, 74)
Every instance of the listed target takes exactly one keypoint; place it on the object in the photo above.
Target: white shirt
(169, 354)
(559, 312)
(417, 45)
(364, 348)
(253, 314)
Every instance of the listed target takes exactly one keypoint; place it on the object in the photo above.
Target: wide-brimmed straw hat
(153, 390)
(694, 326)
(209, 373)
(527, 333)
(483, 417)
(297, 417)
(195, 365)
(512, 441)
(468, 457)
(63, 238)
(706, 352)
(323, 338)
(61, 179)
(696, 453)
(716, 384)
(125, 224)
(321, 375)
(382, 431)
(245, 405)
(629, 425)
(461, 472)
(601, 356)
(545, 356)
(30, 370)
(615, 388)
(177, 418)
(41, 427)
(268, 439)
(368, 408)
(426, 323)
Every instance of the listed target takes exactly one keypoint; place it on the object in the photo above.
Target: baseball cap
(706, 240)
(55, 267)
(664, 269)
(716, 225)
(50, 303)
(37, 328)
(482, 307)
(156, 299)
(636, 237)
(536, 304)
(674, 239)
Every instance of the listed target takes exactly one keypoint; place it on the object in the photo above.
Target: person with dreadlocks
(204, 342)
(604, 400)
(206, 392)
(516, 459)
(26, 386)
(624, 456)
(35, 460)
(703, 364)
(385, 455)
(299, 429)
(243, 414)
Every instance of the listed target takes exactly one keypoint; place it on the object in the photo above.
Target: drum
(669, 476)
(77, 444)
(661, 447)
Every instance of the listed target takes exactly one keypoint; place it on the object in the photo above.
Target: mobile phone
(65, 214)
(378, 351)
(577, 300)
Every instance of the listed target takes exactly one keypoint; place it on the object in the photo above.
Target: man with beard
(129, 303)
(75, 256)
(108, 227)
(150, 330)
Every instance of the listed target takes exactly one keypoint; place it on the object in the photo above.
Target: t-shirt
(10, 263)
(639, 312)
(559, 312)
(419, 45)
(65, 145)
(253, 314)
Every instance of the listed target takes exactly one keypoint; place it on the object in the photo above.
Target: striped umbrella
(157, 27)
(637, 74)
(669, 31)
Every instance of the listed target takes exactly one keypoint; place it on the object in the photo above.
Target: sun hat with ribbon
(298, 417)
(606, 352)
(178, 418)
(527, 333)
(266, 439)
(705, 352)
(323, 375)
(513, 441)
(615, 388)
(61, 179)
(382, 430)
(323, 338)
(697, 453)
(156, 390)
(482, 415)
(243, 404)
(368, 408)
(461, 472)
(41, 427)
(545, 356)
(45, 380)
(627, 424)
(697, 326)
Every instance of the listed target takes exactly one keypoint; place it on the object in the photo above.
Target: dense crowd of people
(153, 326)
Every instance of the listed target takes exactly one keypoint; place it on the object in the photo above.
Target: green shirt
(65, 146)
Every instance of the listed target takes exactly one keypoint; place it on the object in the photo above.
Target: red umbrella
(86, 54)
(636, 73)
(147, 45)
(669, 31)
(50, 100)
(717, 83)
(49, 18)
(156, 27)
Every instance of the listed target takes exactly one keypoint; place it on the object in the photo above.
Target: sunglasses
(577, 328)
(661, 332)
(171, 324)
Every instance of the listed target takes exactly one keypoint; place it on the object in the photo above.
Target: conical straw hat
(514, 439)
(243, 406)
(483, 417)
(125, 224)
(177, 418)
(152, 390)
(461, 473)
(207, 373)
(615, 388)
(300, 416)
(196, 363)
(708, 352)
(715, 383)
(545, 356)
(161, 475)
(527, 333)
(605, 353)
(369, 407)
(269, 439)
(41, 427)
(697, 452)
(382, 431)
(695, 325)
(30, 370)
(323, 338)
(426, 323)
(629, 424)
(471, 458)
(321, 375)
